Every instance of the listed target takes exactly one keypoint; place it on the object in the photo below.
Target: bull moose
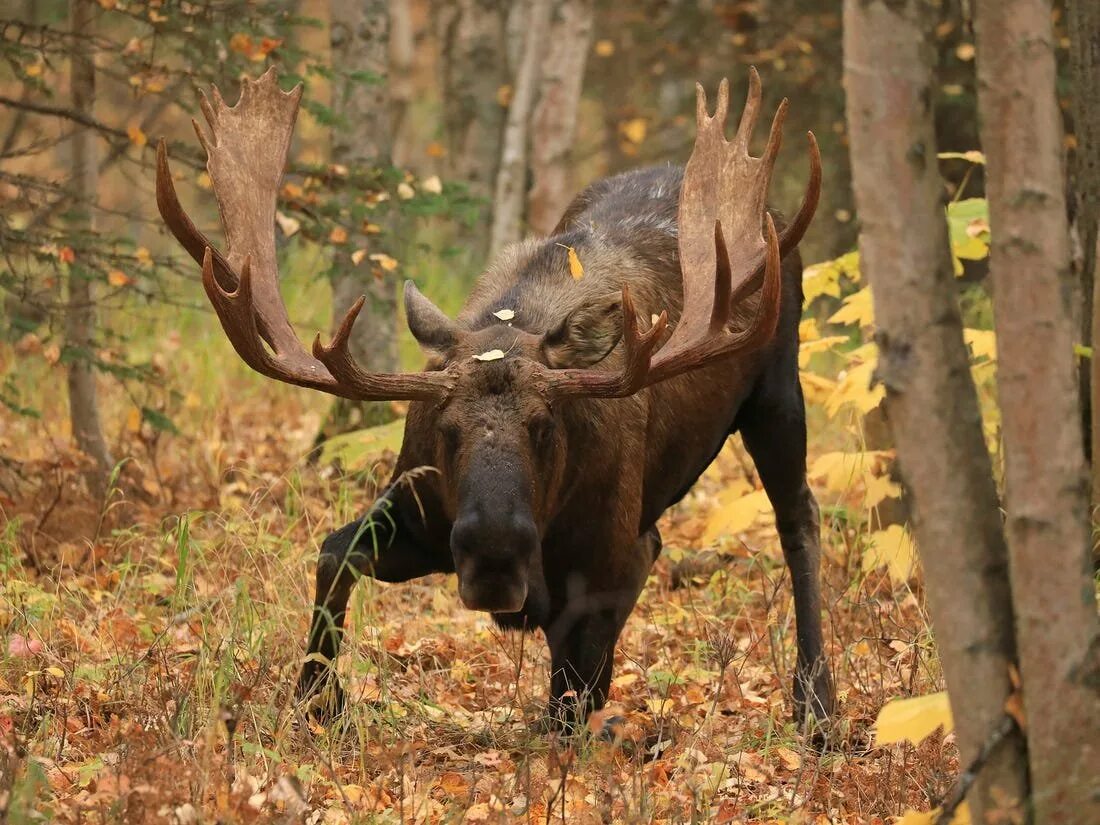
(562, 428)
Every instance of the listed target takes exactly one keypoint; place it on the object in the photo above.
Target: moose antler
(727, 241)
(246, 152)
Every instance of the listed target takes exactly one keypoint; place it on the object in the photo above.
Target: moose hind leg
(374, 545)
(775, 436)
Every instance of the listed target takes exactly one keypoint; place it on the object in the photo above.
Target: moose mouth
(493, 592)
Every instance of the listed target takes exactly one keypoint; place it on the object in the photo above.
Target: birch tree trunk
(931, 402)
(1047, 525)
(511, 184)
(1084, 53)
(473, 70)
(554, 124)
(360, 42)
(80, 314)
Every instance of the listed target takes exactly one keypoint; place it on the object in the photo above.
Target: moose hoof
(320, 692)
(814, 709)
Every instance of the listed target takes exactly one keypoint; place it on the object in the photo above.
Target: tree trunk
(554, 123)
(360, 42)
(1084, 53)
(402, 55)
(474, 71)
(1045, 499)
(930, 401)
(80, 315)
(512, 175)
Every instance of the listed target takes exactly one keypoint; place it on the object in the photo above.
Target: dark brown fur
(589, 477)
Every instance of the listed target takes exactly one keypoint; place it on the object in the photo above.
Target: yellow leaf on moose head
(912, 720)
(575, 268)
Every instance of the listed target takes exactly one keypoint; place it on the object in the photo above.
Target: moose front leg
(585, 629)
(378, 545)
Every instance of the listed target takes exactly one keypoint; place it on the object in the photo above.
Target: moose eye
(451, 434)
(541, 428)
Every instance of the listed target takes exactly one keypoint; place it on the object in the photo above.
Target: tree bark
(512, 175)
(930, 401)
(360, 42)
(473, 71)
(402, 55)
(1045, 498)
(1084, 54)
(80, 314)
(554, 124)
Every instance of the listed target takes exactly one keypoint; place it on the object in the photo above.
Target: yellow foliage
(891, 548)
(816, 388)
(961, 817)
(982, 343)
(912, 720)
(857, 309)
(809, 348)
(854, 387)
(839, 471)
(735, 513)
(824, 278)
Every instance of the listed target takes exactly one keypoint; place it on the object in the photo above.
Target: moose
(561, 415)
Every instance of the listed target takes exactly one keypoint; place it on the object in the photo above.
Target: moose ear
(429, 325)
(587, 334)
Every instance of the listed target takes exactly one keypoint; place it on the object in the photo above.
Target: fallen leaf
(913, 719)
(505, 314)
(491, 355)
(432, 184)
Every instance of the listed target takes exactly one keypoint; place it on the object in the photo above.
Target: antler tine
(247, 146)
(194, 242)
(749, 115)
(729, 248)
(794, 231)
(638, 350)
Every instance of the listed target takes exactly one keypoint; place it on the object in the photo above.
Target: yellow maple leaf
(735, 514)
(891, 548)
(913, 719)
(857, 309)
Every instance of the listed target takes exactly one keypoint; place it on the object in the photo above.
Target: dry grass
(168, 628)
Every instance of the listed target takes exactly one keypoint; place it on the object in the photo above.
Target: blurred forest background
(160, 505)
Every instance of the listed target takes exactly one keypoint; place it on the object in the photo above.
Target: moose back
(562, 416)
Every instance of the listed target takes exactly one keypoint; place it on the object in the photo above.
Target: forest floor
(150, 648)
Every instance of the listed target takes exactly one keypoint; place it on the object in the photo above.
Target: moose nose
(494, 540)
(492, 558)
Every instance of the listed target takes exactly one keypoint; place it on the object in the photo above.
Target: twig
(967, 778)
